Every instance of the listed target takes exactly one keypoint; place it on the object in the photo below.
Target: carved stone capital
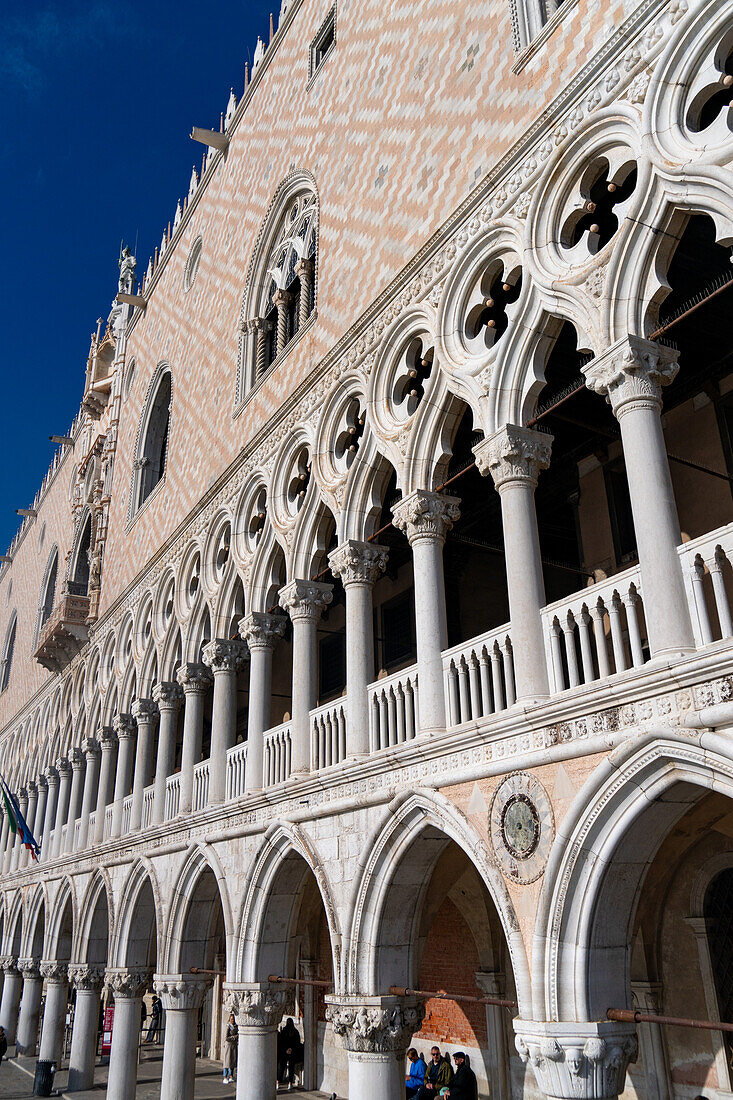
(90, 747)
(261, 630)
(168, 695)
(23, 797)
(42, 783)
(32, 789)
(63, 767)
(181, 991)
(78, 759)
(127, 981)
(194, 677)
(256, 1004)
(9, 963)
(224, 655)
(124, 726)
(54, 973)
(358, 562)
(144, 710)
(426, 515)
(305, 599)
(30, 968)
(631, 373)
(260, 324)
(304, 267)
(86, 978)
(375, 1025)
(107, 738)
(282, 298)
(514, 454)
(52, 777)
(577, 1061)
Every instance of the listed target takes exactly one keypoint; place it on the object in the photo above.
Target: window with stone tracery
(529, 17)
(282, 284)
(152, 445)
(8, 650)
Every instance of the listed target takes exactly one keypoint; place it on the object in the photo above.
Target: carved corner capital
(261, 630)
(631, 374)
(256, 1004)
(144, 710)
(124, 726)
(514, 454)
(358, 562)
(168, 695)
(426, 515)
(130, 982)
(374, 1025)
(577, 1061)
(54, 973)
(181, 991)
(86, 977)
(224, 655)
(194, 677)
(305, 599)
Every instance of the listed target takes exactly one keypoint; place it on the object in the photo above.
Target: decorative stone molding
(124, 726)
(358, 562)
(128, 982)
(90, 746)
(194, 677)
(30, 968)
(9, 963)
(180, 991)
(144, 710)
(168, 695)
(375, 1025)
(86, 978)
(578, 1061)
(224, 655)
(514, 454)
(305, 599)
(261, 630)
(631, 374)
(426, 515)
(256, 1004)
(53, 972)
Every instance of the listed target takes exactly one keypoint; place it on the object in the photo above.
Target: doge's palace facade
(372, 627)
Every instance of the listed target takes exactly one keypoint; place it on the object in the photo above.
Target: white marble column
(224, 658)
(128, 986)
(105, 788)
(282, 299)
(426, 519)
(54, 1014)
(126, 729)
(30, 818)
(258, 1009)
(77, 789)
(359, 565)
(304, 601)
(514, 457)
(630, 375)
(52, 779)
(261, 633)
(91, 750)
(22, 797)
(168, 697)
(30, 1006)
(492, 984)
(195, 681)
(87, 981)
(4, 836)
(647, 998)
(181, 996)
(376, 1032)
(577, 1061)
(12, 989)
(305, 270)
(63, 767)
(145, 713)
(309, 971)
(40, 822)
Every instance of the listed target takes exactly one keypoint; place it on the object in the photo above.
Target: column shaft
(83, 1053)
(195, 680)
(54, 1015)
(261, 632)
(304, 601)
(40, 821)
(125, 728)
(128, 987)
(181, 996)
(144, 712)
(75, 796)
(91, 784)
(258, 1052)
(224, 658)
(62, 804)
(108, 745)
(18, 847)
(30, 1007)
(12, 989)
(169, 697)
(30, 818)
(52, 778)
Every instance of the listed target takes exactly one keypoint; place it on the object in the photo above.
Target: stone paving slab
(16, 1082)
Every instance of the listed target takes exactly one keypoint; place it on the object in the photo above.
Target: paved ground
(16, 1082)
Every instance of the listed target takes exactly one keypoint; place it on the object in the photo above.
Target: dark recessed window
(331, 665)
(324, 41)
(398, 631)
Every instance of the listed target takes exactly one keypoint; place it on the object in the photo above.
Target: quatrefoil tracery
(300, 480)
(349, 438)
(257, 518)
(603, 194)
(489, 308)
(716, 97)
(411, 377)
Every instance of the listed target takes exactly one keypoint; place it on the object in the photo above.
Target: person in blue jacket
(416, 1076)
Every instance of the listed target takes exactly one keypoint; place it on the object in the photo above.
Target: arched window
(48, 590)
(8, 650)
(79, 578)
(281, 283)
(718, 909)
(529, 17)
(152, 443)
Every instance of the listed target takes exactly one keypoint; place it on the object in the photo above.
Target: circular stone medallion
(522, 827)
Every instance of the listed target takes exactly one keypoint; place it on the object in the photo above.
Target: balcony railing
(200, 785)
(479, 676)
(172, 796)
(64, 634)
(126, 814)
(393, 709)
(148, 799)
(707, 563)
(278, 754)
(328, 735)
(236, 764)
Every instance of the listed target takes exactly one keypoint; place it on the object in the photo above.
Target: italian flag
(17, 822)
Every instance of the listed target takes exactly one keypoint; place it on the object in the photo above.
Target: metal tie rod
(298, 981)
(442, 995)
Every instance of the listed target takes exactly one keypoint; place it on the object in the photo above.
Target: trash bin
(43, 1080)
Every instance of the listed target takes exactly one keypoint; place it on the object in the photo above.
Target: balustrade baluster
(619, 650)
(597, 611)
(465, 706)
(571, 656)
(630, 601)
(558, 673)
(410, 710)
(508, 662)
(720, 594)
(586, 650)
(496, 678)
(474, 686)
(485, 682)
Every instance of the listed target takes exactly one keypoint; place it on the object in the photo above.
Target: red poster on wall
(109, 1019)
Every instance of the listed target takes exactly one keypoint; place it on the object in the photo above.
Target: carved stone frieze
(578, 1061)
(260, 630)
(374, 1025)
(425, 515)
(631, 373)
(358, 562)
(514, 454)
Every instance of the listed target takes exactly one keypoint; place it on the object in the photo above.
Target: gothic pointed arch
(8, 649)
(47, 596)
(151, 444)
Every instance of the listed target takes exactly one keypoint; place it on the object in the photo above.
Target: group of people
(289, 1053)
(425, 1081)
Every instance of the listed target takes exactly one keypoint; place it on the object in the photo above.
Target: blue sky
(99, 97)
